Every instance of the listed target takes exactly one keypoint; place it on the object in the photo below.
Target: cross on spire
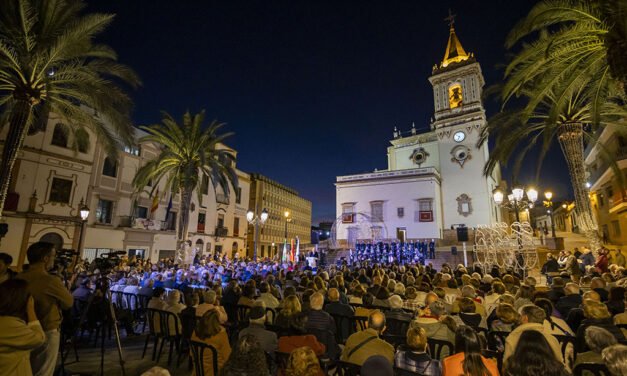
(451, 18)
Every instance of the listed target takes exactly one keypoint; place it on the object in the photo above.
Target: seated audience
(396, 313)
(596, 314)
(366, 343)
(597, 339)
(210, 303)
(468, 360)
(266, 296)
(571, 300)
(247, 359)
(533, 356)
(267, 339)
(297, 336)
(615, 359)
(553, 323)
(303, 362)
(437, 325)
(209, 331)
(377, 365)
(414, 357)
(291, 307)
(531, 318)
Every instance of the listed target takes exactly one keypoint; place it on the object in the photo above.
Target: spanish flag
(155, 203)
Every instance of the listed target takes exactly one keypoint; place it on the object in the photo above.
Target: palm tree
(50, 63)
(573, 125)
(571, 42)
(188, 153)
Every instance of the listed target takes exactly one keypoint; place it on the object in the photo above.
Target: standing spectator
(362, 345)
(602, 261)
(247, 359)
(587, 259)
(550, 267)
(468, 360)
(5, 271)
(533, 356)
(414, 357)
(21, 331)
(50, 298)
(572, 266)
(619, 258)
(303, 362)
(209, 331)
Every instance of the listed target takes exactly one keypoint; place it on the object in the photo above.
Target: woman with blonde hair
(507, 317)
(414, 357)
(303, 362)
(209, 331)
(596, 314)
(615, 358)
(291, 307)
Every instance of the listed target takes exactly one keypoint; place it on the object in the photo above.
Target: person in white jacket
(21, 331)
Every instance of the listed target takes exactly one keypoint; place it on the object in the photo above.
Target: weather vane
(451, 18)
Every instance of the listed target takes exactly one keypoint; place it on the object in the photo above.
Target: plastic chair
(197, 350)
(394, 339)
(436, 346)
(564, 341)
(343, 327)
(170, 333)
(154, 330)
(594, 368)
(495, 338)
(347, 369)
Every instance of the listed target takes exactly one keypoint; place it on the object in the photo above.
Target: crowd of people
(380, 317)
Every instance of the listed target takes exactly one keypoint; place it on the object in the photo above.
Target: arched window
(81, 138)
(455, 96)
(60, 135)
(199, 246)
(53, 238)
(110, 167)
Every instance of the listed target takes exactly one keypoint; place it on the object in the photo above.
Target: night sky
(312, 89)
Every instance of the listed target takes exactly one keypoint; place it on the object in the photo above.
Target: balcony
(200, 228)
(596, 174)
(221, 198)
(221, 231)
(618, 202)
(142, 224)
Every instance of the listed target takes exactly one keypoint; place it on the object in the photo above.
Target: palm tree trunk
(186, 201)
(18, 127)
(570, 136)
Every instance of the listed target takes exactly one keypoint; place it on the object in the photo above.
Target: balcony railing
(617, 202)
(221, 198)
(222, 231)
(621, 153)
(200, 228)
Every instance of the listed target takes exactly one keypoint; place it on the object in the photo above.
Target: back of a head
(507, 313)
(469, 292)
(291, 305)
(437, 308)
(595, 310)
(591, 295)
(14, 298)
(467, 305)
(430, 298)
(533, 313)
(156, 371)
(615, 358)
(36, 252)
(174, 297)
(395, 302)
(598, 338)
(377, 365)
(303, 361)
(546, 305)
(467, 340)
(316, 301)
(333, 295)
(533, 356)
(417, 338)
(376, 321)
(209, 297)
(264, 287)
(158, 292)
(571, 289)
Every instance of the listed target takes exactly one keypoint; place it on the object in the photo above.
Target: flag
(292, 250)
(284, 255)
(155, 203)
(297, 249)
(167, 210)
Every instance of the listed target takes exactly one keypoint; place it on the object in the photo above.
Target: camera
(64, 258)
(107, 261)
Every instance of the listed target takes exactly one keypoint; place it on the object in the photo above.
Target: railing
(221, 231)
(200, 228)
(621, 153)
(619, 198)
(221, 198)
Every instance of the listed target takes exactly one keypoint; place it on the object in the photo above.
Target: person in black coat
(557, 290)
(571, 300)
(550, 266)
(596, 314)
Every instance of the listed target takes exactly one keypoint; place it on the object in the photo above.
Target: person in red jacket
(602, 261)
(297, 337)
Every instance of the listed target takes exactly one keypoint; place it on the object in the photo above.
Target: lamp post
(516, 200)
(83, 211)
(286, 214)
(256, 220)
(549, 204)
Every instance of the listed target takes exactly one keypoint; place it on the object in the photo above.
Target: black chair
(343, 327)
(242, 314)
(358, 323)
(270, 315)
(188, 325)
(396, 326)
(198, 354)
(154, 330)
(347, 369)
(436, 346)
(140, 312)
(564, 341)
(327, 338)
(118, 299)
(281, 359)
(394, 340)
(130, 302)
(491, 354)
(594, 368)
(170, 333)
(496, 339)
(404, 372)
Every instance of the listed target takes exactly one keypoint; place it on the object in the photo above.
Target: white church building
(434, 181)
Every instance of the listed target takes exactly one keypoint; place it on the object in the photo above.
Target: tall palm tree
(188, 153)
(519, 133)
(50, 63)
(569, 42)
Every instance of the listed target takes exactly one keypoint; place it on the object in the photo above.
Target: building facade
(434, 180)
(52, 179)
(607, 191)
(278, 199)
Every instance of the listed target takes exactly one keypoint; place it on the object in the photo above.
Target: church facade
(434, 181)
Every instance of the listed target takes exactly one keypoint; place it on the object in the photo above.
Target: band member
(432, 249)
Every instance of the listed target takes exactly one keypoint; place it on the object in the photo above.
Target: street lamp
(83, 211)
(516, 200)
(286, 214)
(256, 220)
(549, 204)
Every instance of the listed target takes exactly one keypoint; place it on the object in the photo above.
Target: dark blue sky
(312, 89)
